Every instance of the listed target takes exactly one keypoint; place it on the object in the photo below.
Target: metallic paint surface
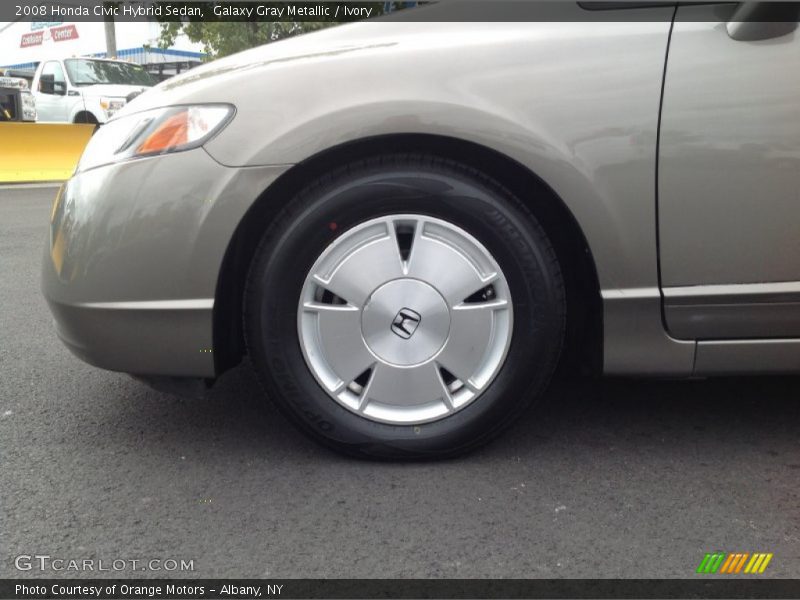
(585, 123)
(754, 310)
(575, 102)
(133, 288)
(729, 188)
(640, 345)
(735, 357)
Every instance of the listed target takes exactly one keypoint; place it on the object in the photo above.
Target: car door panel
(729, 181)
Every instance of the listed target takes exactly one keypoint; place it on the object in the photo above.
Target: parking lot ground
(606, 478)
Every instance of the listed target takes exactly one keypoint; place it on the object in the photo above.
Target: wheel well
(583, 349)
(85, 116)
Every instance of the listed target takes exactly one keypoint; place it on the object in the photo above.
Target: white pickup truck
(86, 90)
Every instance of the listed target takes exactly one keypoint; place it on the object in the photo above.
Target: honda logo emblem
(406, 322)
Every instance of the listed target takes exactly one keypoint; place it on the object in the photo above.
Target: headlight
(111, 105)
(153, 132)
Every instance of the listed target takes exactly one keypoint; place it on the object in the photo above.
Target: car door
(53, 106)
(729, 175)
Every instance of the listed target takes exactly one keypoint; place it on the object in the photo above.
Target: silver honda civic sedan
(407, 228)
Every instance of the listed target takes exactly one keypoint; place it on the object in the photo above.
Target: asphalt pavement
(606, 478)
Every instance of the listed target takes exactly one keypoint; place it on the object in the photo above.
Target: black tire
(391, 185)
(86, 118)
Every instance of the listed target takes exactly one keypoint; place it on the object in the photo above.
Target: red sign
(65, 32)
(31, 39)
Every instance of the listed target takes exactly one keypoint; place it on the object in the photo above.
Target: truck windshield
(83, 71)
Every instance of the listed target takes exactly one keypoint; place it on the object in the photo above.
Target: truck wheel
(86, 118)
(404, 307)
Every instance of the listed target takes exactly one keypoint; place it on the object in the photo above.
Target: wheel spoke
(362, 270)
(448, 270)
(339, 335)
(406, 386)
(471, 334)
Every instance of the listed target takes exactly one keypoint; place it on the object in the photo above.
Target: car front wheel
(404, 307)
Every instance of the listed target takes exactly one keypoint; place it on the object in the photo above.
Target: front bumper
(133, 258)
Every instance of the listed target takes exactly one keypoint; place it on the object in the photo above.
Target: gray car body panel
(577, 103)
(729, 167)
(729, 176)
(131, 266)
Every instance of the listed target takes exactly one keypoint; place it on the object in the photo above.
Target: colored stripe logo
(735, 563)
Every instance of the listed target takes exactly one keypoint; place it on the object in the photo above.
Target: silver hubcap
(405, 319)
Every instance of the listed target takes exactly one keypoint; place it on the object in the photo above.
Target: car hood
(110, 90)
(444, 24)
(221, 73)
(450, 25)
(217, 81)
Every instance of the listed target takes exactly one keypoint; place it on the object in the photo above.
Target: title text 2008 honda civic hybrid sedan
(407, 227)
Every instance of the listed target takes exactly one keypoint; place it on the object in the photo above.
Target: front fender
(576, 103)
